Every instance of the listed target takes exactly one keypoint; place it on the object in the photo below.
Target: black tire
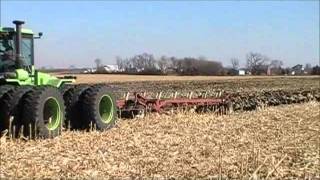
(38, 105)
(73, 107)
(10, 106)
(98, 107)
(5, 88)
(67, 91)
(65, 88)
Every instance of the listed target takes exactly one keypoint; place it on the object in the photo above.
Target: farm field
(94, 78)
(277, 142)
(130, 83)
(160, 90)
(183, 85)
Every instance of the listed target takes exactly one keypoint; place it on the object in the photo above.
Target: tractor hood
(9, 29)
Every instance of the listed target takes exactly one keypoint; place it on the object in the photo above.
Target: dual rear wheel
(89, 106)
(43, 111)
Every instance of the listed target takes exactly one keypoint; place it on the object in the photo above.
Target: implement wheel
(99, 107)
(43, 112)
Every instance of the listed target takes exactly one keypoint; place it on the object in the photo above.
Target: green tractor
(37, 104)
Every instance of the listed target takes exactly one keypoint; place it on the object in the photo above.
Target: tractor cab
(17, 59)
(16, 52)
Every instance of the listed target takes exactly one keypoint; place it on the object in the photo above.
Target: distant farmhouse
(111, 68)
(297, 70)
(103, 69)
(242, 72)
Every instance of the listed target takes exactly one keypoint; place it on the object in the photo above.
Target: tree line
(147, 64)
(256, 64)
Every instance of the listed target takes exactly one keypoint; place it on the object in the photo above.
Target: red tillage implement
(139, 104)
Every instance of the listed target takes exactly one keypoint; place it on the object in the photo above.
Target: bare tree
(276, 64)
(275, 67)
(308, 68)
(195, 66)
(98, 62)
(175, 64)
(235, 63)
(121, 63)
(164, 63)
(257, 63)
(315, 70)
(144, 62)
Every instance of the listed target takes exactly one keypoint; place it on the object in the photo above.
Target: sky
(77, 32)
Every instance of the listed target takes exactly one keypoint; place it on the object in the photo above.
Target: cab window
(7, 55)
(26, 51)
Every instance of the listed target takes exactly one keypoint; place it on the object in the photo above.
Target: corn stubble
(277, 142)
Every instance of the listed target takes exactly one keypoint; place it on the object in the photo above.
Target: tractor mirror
(39, 35)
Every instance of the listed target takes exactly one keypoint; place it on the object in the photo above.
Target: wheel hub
(52, 113)
(106, 107)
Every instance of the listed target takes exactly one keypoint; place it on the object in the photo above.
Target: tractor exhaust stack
(18, 42)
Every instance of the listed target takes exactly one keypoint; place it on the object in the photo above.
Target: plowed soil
(281, 142)
(186, 84)
(277, 142)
